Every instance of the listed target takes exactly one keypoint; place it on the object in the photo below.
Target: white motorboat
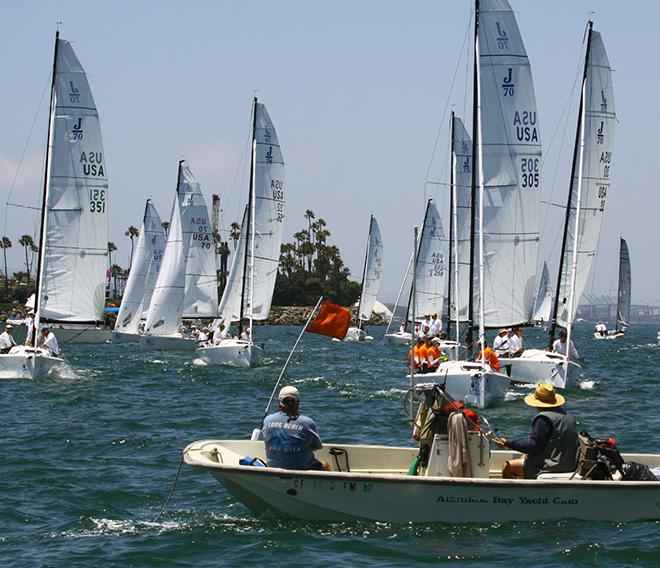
(536, 365)
(251, 283)
(399, 337)
(371, 483)
(233, 352)
(471, 382)
(186, 286)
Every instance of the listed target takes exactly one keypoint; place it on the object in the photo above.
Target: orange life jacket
(489, 356)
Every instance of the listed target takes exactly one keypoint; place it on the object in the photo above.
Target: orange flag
(332, 320)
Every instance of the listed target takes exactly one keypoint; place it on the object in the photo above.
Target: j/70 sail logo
(508, 86)
(502, 37)
(77, 131)
(74, 93)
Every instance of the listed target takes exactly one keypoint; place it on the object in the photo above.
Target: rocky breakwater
(297, 315)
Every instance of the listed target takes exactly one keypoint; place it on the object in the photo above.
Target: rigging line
(169, 497)
(239, 169)
(563, 119)
(444, 110)
(27, 142)
(9, 204)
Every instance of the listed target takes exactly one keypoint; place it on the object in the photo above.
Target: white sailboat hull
(399, 338)
(609, 335)
(355, 334)
(232, 352)
(167, 343)
(473, 383)
(125, 337)
(536, 365)
(376, 488)
(81, 334)
(30, 363)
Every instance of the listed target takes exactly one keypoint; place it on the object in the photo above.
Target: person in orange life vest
(426, 355)
(488, 355)
(414, 354)
(436, 353)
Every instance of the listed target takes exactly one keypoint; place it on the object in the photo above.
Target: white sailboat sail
(144, 271)
(267, 217)
(511, 150)
(623, 301)
(462, 165)
(598, 127)
(373, 268)
(75, 252)
(201, 291)
(543, 303)
(431, 265)
(166, 307)
(230, 304)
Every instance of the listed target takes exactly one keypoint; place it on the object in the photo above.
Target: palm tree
(5, 244)
(235, 233)
(131, 233)
(166, 226)
(309, 215)
(26, 242)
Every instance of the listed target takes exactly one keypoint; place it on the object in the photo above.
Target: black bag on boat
(634, 471)
(598, 459)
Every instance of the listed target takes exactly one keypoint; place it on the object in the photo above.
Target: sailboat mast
(44, 200)
(249, 227)
(473, 192)
(452, 223)
(481, 203)
(567, 217)
(364, 272)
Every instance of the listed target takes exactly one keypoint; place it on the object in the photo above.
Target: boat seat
(566, 476)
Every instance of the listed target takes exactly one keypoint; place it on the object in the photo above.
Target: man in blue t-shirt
(291, 438)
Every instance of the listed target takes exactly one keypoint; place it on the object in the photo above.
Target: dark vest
(560, 454)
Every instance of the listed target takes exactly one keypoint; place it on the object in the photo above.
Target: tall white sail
(373, 267)
(598, 128)
(267, 217)
(511, 148)
(144, 271)
(543, 303)
(623, 301)
(75, 256)
(166, 307)
(230, 303)
(462, 166)
(431, 265)
(201, 291)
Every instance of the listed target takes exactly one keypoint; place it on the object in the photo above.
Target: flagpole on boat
(256, 431)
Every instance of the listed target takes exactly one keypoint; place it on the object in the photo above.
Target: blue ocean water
(88, 462)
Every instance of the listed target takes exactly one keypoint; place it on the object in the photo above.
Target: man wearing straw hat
(553, 445)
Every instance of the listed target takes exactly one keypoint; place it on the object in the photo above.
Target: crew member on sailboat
(49, 341)
(6, 339)
(559, 346)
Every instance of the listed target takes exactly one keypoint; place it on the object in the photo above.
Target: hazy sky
(358, 92)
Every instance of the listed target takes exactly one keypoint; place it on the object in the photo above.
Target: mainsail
(166, 307)
(230, 304)
(462, 179)
(201, 291)
(373, 267)
(511, 151)
(75, 255)
(543, 303)
(144, 271)
(623, 302)
(431, 265)
(597, 127)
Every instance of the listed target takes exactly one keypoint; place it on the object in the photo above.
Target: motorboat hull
(167, 343)
(232, 352)
(25, 362)
(398, 338)
(609, 335)
(377, 489)
(473, 383)
(536, 365)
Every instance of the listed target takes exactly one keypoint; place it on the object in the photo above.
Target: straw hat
(544, 396)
